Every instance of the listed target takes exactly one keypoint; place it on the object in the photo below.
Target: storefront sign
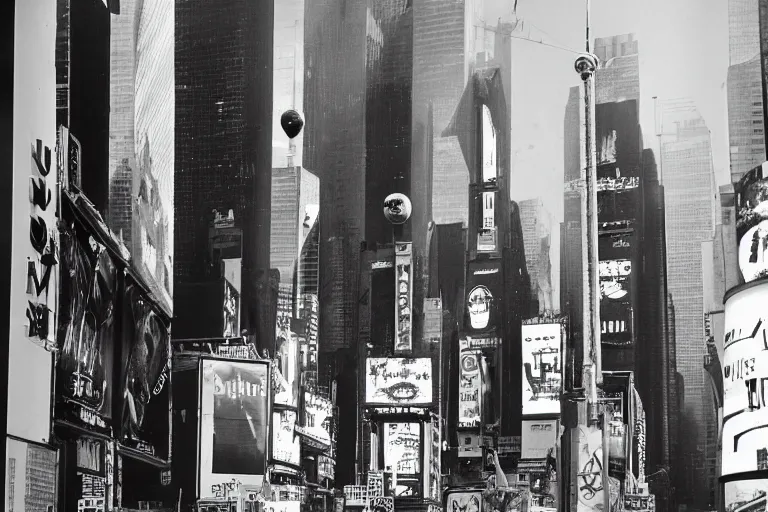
(542, 368)
(234, 413)
(420, 411)
(286, 447)
(539, 438)
(752, 223)
(402, 448)
(398, 381)
(326, 467)
(470, 389)
(281, 506)
(404, 305)
(745, 381)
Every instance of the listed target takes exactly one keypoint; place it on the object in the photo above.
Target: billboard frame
(267, 453)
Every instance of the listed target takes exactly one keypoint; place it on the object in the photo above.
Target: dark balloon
(292, 123)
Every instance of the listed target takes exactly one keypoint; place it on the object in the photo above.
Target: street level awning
(311, 441)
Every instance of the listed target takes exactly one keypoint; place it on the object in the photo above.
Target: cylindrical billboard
(752, 223)
(745, 381)
(234, 421)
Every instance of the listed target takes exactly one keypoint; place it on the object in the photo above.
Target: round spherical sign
(397, 208)
(479, 306)
(292, 123)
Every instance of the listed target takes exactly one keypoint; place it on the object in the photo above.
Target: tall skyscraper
(223, 144)
(537, 226)
(688, 179)
(746, 126)
(141, 144)
(619, 76)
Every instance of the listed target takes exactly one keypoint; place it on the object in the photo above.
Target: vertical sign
(404, 287)
(589, 479)
(470, 388)
(42, 261)
(486, 238)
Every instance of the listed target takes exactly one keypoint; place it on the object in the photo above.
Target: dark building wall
(223, 139)
(88, 74)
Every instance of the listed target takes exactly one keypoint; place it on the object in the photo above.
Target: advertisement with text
(542, 368)
(398, 381)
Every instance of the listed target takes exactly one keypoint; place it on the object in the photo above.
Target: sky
(683, 46)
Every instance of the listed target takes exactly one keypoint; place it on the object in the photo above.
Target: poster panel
(485, 287)
(286, 377)
(615, 277)
(752, 223)
(86, 333)
(286, 446)
(318, 414)
(404, 305)
(745, 381)
(542, 368)
(234, 418)
(618, 139)
(590, 482)
(231, 310)
(464, 502)
(539, 438)
(402, 448)
(746, 495)
(398, 381)
(146, 373)
(470, 389)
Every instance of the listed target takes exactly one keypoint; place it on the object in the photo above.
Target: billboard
(398, 381)
(233, 424)
(404, 305)
(539, 438)
(286, 446)
(618, 140)
(464, 502)
(145, 374)
(485, 285)
(86, 332)
(745, 381)
(616, 294)
(752, 223)
(402, 448)
(470, 389)
(746, 496)
(286, 376)
(318, 413)
(542, 368)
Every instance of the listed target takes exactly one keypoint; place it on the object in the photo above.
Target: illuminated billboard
(402, 448)
(752, 223)
(233, 424)
(286, 375)
(542, 368)
(485, 286)
(404, 305)
(286, 446)
(318, 412)
(464, 501)
(470, 387)
(398, 381)
(746, 495)
(745, 381)
(616, 293)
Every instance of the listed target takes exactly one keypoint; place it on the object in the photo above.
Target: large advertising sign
(470, 389)
(618, 139)
(745, 381)
(615, 274)
(746, 496)
(86, 334)
(146, 372)
(485, 284)
(402, 448)
(398, 381)
(752, 223)
(404, 305)
(286, 372)
(286, 446)
(542, 368)
(234, 421)
(318, 414)
(464, 502)
(539, 438)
